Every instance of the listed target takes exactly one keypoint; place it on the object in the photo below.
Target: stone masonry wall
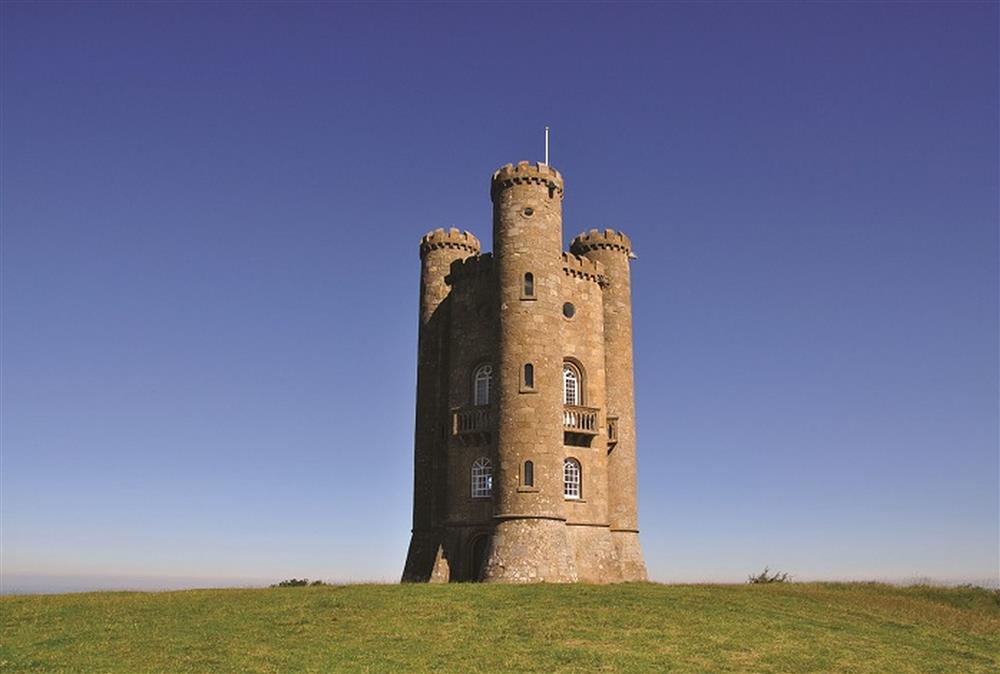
(472, 341)
(582, 341)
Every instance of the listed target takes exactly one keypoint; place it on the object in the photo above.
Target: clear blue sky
(210, 273)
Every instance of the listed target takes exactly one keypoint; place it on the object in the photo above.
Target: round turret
(453, 238)
(439, 249)
(529, 542)
(613, 251)
(595, 239)
(526, 173)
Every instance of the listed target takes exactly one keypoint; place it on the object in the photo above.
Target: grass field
(489, 628)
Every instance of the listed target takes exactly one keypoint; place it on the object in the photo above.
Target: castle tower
(529, 543)
(438, 250)
(524, 462)
(614, 251)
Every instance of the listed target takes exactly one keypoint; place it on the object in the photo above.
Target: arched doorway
(477, 556)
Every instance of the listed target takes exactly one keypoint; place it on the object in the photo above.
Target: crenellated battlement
(581, 267)
(597, 239)
(470, 267)
(450, 238)
(526, 173)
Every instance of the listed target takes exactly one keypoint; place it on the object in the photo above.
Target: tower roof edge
(525, 172)
(597, 239)
(449, 238)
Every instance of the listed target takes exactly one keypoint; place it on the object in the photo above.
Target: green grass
(489, 628)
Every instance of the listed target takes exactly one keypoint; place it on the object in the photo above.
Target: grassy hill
(488, 628)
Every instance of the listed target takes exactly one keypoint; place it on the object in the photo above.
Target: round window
(569, 310)
(528, 212)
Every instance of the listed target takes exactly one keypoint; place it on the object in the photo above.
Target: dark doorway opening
(480, 546)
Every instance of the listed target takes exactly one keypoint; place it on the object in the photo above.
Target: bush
(766, 577)
(298, 582)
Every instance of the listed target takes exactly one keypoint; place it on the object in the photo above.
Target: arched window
(529, 375)
(571, 385)
(571, 478)
(482, 385)
(482, 478)
(528, 474)
(529, 284)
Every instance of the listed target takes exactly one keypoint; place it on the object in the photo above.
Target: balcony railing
(612, 431)
(578, 419)
(468, 420)
(482, 419)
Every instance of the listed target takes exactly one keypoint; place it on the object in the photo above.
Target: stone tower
(524, 462)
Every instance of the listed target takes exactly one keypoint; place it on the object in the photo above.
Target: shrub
(766, 577)
(298, 582)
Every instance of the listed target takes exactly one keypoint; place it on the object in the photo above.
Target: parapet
(581, 267)
(451, 238)
(470, 268)
(596, 239)
(525, 172)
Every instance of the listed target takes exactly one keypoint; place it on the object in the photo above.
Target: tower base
(596, 554)
(530, 550)
(630, 553)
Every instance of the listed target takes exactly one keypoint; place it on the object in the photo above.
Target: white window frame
(571, 385)
(572, 479)
(482, 385)
(481, 478)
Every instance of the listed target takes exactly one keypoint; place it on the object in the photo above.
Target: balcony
(473, 420)
(582, 420)
(612, 432)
